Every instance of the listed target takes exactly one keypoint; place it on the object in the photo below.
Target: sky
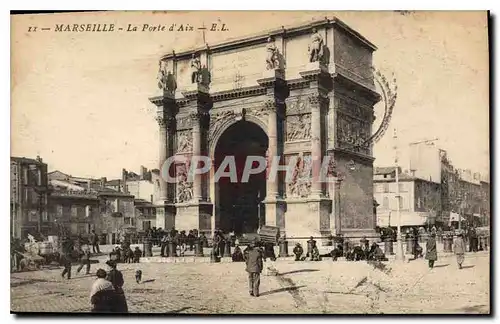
(80, 100)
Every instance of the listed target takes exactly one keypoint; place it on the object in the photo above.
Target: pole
(399, 253)
(339, 230)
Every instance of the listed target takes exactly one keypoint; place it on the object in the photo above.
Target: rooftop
(261, 37)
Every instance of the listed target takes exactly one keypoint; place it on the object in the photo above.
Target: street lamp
(399, 251)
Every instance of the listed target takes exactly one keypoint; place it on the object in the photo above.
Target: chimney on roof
(39, 159)
(124, 181)
(143, 173)
(103, 182)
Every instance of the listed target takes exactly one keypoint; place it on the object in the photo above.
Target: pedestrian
(102, 294)
(164, 244)
(298, 251)
(66, 262)
(237, 255)
(116, 278)
(254, 263)
(459, 249)
(84, 261)
(137, 254)
(310, 244)
(431, 254)
(94, 241)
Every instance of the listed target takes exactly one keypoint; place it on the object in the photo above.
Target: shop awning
(390, 218)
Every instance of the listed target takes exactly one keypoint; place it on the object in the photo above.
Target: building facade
(29, 197)
(298, 93)
(420, 200)
(73, 212)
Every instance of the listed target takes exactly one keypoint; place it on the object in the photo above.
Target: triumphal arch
(297, 93)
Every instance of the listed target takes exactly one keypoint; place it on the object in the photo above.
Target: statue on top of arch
(315, 48)
(273, 56)
(166, 80)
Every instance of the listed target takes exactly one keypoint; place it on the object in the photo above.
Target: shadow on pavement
(476, 309)
(288, 289)
(149, 280)
(441, 265)
(27, 282)
(178, 310)
(297, 271)
(468, 267)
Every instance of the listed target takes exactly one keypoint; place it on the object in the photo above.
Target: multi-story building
(117, 215)
(29, 192)
(145, 214)
(432, 193)
(73, 211)
(142, 187)
(420, 200)
(91, 204)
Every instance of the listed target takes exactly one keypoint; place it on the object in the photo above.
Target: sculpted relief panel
(300, 182)
(353, 125)
(217, 120)
(298, 127)
(184, 187)
(184, 141)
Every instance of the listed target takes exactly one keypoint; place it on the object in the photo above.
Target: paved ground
(301, 287)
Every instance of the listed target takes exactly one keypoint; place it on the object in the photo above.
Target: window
(386, 187)
(401, 202)
(59, 211)
(88, 211)
(33, 215)
(74, 212)
(402, 187)
(385, 203)
(127, 221)
(45, 216)
(25, 176)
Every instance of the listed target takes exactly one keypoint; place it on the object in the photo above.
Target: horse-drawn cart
(30, 261)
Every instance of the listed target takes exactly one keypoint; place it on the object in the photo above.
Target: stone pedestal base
(307, 217)
(358, 233)
(275, 213)
(165, 216)
(194, 88)
(194, 215)
(313, 68)
(271, 76)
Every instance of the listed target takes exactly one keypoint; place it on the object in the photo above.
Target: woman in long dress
(116, 278)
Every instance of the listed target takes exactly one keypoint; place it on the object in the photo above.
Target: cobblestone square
(300, 288)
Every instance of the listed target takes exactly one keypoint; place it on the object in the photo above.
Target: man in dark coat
(94, 241)
(66, 262)
(298, 251)
(254, 262)
(310, 245)
(431, 254)
(84, 261)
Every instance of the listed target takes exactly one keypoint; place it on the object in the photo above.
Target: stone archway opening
(238, 204)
